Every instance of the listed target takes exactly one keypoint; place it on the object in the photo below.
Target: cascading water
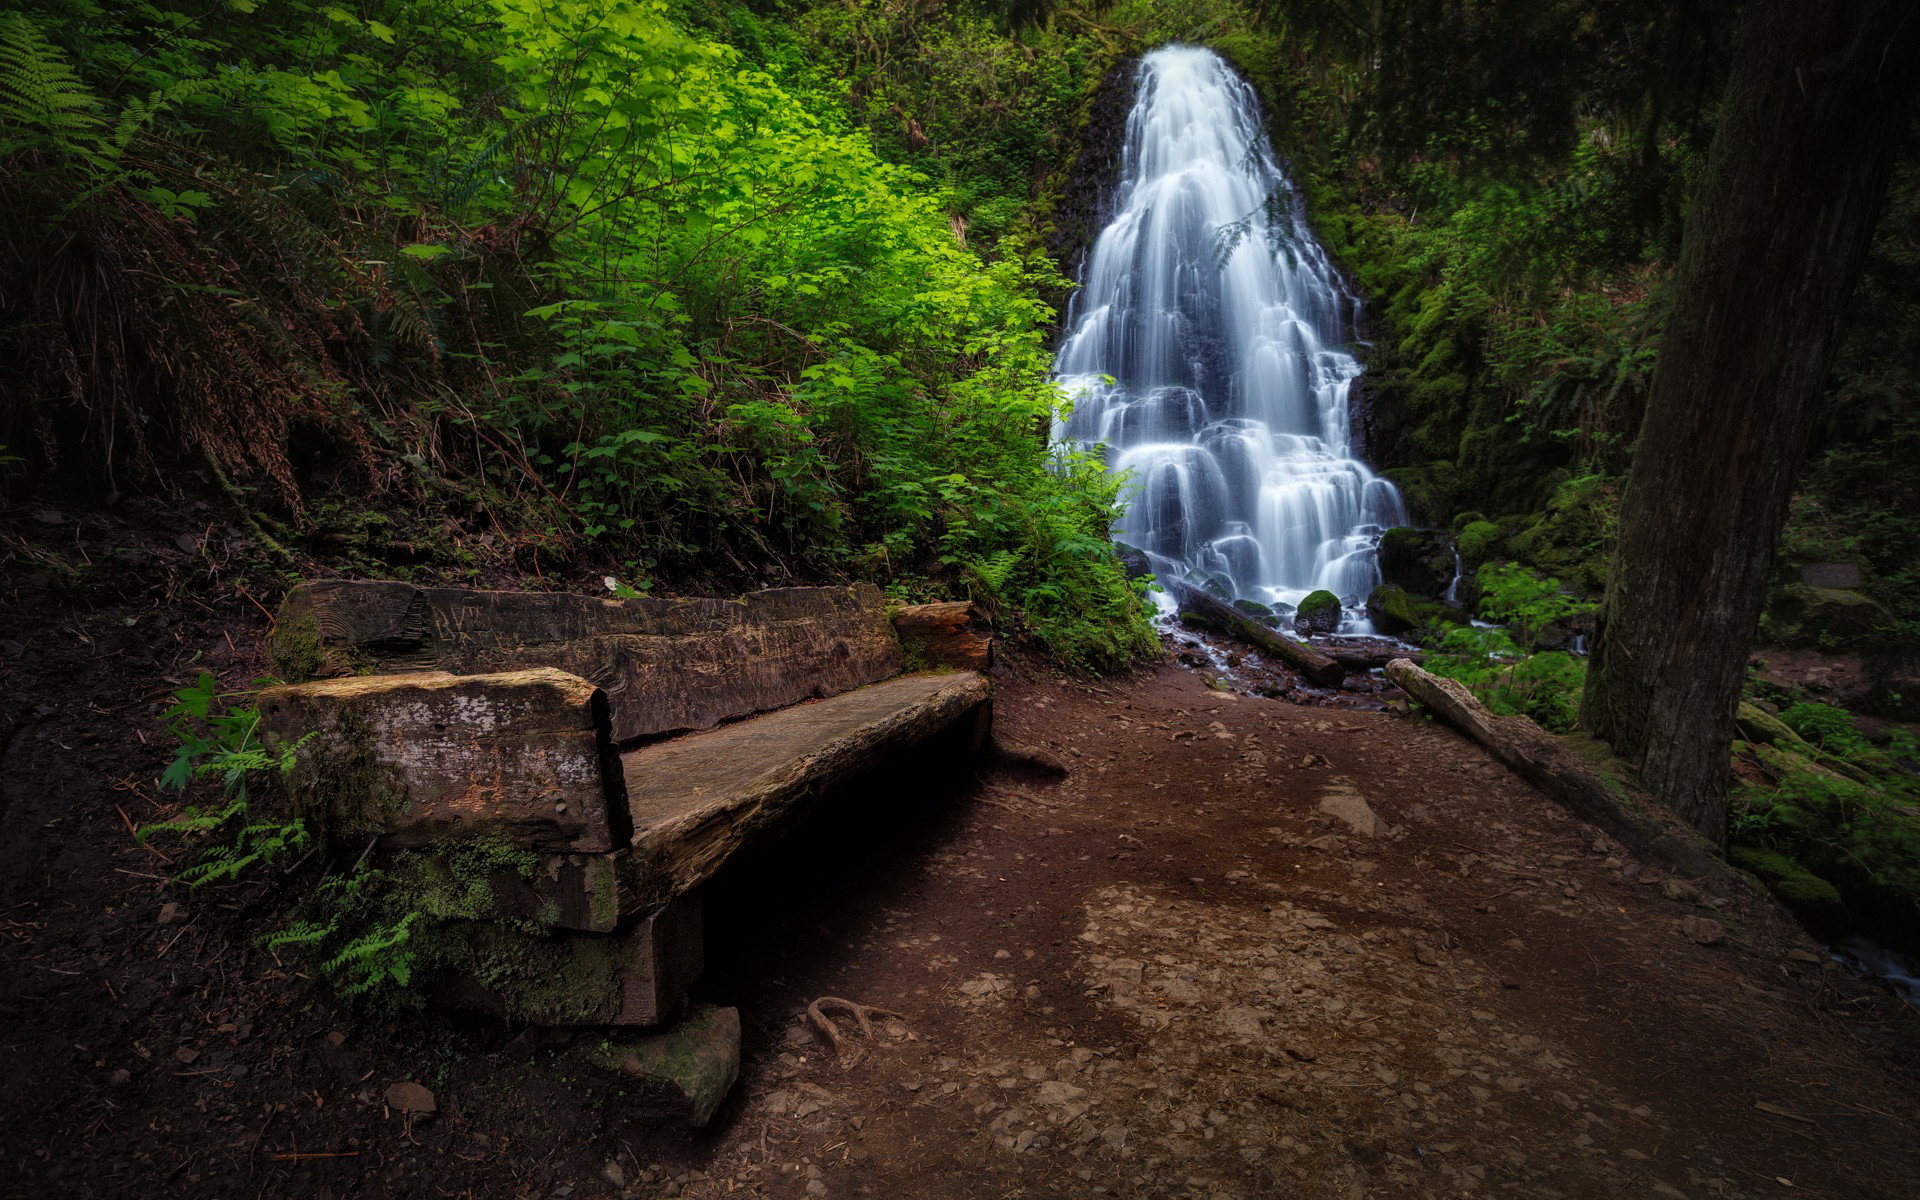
(1205, 352)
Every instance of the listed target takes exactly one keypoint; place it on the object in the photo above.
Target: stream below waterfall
(1208, 353)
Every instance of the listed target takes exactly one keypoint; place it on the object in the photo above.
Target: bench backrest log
(666, 665)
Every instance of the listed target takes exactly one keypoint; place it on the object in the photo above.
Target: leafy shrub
(666, 305)
(1827, 727)
(1501, 665)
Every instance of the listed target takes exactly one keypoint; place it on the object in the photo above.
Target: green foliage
(675, 311)
(364, 947)
(1478, 542)
(221, 742)
(1828, 727)
(1797, 887)
(1502, 665)
(1855, 823)
(44, 105)
(361, 925)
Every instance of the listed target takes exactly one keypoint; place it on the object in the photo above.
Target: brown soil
(1169, 974)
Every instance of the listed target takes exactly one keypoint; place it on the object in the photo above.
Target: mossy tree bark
(1814, 110)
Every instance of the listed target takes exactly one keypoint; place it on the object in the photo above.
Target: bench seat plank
(697, 799)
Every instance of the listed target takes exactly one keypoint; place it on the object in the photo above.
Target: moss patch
(1798, 888)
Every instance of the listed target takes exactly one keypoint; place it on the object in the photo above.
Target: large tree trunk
(1814, 109)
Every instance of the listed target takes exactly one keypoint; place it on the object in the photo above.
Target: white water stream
(1205, 350)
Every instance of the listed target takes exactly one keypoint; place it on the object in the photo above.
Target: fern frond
(43, 100)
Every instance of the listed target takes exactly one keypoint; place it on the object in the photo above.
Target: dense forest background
(703, 296)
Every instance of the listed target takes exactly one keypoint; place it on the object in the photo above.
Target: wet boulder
(1214, 583)
(1133, 561)
(1418, 560)
(1318, 613)
(1391, 610)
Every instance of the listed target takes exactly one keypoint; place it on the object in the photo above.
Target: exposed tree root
(830, 1033)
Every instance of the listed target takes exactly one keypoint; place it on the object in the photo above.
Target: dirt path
(1245, 948)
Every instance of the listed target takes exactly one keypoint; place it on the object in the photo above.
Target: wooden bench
(608, 757)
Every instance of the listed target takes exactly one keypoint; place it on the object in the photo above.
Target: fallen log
(1225, 619)
(951, 634)
(1368, 658)
(1634, 820)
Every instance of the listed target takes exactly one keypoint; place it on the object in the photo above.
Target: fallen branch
(1225, 619)
(1538, 757)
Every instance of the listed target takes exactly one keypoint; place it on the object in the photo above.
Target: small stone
(408, 1097)
(186, 1054)
(1426, 955)
(1054, 1093)
(1675, 888)
(614, 1173)
(1301, 1053)
(119, 1076)
(336, 1038)
(1703, 930)
(1024, 1141)
(1115, 1136)
(1351, 808)
(171, 913)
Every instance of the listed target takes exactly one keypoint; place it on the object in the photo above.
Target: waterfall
(1204, 351)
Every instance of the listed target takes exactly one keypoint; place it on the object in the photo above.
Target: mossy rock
(1835, 618)
(1318, 613)
(1433, 613)
(1797, 888)
(1133, 561)
(1478, 541)
(1418, 560)
(1391, 610)
(681, 1072)
(1571, 540)
(1421, 488)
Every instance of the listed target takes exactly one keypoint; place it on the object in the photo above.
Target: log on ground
(950, 634)
(1225, 619)
(1538, 757)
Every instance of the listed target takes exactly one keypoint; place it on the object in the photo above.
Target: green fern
(993, 571)
(43, 103)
